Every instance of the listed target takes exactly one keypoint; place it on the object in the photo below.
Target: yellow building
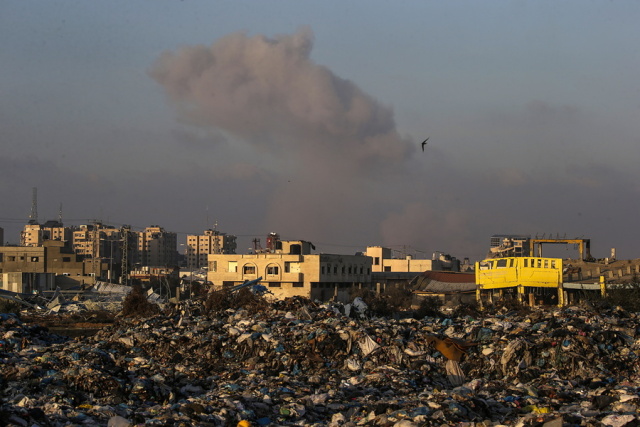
(293, 271)
(531, 277)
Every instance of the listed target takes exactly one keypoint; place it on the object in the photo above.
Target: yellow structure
(520, 273)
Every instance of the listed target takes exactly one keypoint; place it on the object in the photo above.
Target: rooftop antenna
(216, 241)
(60, 214)
(33, 218)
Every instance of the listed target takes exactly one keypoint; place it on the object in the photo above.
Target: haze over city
(307, 118)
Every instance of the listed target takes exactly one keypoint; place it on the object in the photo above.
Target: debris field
(300, 363)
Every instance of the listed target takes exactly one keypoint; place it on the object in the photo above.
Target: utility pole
(95, 250)
(124, 233)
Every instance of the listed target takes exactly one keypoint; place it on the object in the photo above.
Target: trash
(306, 364)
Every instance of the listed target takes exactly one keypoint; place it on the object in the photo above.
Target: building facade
(293, 271)
(155, 247)
(199, 247)
(34, 234)
(52, 257)
(384, 262)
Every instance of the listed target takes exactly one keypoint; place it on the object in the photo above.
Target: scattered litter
(300, 363)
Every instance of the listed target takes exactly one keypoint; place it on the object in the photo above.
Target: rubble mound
(299, 363)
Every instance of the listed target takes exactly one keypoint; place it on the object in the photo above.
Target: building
(155, 247)
(290, 269)
(54, 258)
(34, 234)
(502, 245)
(96, 240)
(384, 262)
(199, 247)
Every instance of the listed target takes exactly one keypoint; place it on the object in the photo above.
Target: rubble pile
(299, 363)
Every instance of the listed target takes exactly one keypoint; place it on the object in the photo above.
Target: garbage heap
(303, 364)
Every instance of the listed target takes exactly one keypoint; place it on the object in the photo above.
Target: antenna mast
(33, 218)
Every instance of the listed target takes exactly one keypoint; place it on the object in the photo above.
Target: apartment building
(34, 234)
(199, 247)
(292, 270)
(95, 240)
(155, 247)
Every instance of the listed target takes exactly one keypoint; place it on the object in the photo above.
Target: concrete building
(199, 247)
(384, 262)
(27, 283)
(34, 234)
(53, 258)
(94, 240)
(155, 247)
(291, 270)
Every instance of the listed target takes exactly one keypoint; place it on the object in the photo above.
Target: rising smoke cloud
(324, 139)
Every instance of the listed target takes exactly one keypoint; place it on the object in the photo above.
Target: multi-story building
(34, 234)
(199, 247)
(293, 271)
(97, 240)
(155, 247)
(52, 257)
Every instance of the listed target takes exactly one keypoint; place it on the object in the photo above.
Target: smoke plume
(325, 140)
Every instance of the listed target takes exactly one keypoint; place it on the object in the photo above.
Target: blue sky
(305, 118)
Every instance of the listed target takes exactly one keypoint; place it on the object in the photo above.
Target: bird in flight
(424, 143)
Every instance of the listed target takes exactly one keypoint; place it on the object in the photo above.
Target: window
(275, 284)
(322, 269)
(273, 270)
(11, 258)
(249, 269)
(502, 263)
(34, 259)
(298, 284)
(387, 268)
(526, 262)
(335, 269)
(66, 259)
(376, 261)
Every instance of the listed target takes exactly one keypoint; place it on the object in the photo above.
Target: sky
(306, 119)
